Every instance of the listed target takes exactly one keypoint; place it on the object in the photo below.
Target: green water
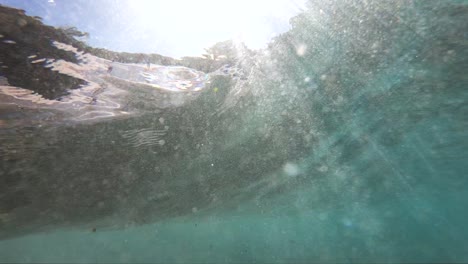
(351, 151)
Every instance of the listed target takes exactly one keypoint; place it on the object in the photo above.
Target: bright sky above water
(169, 27)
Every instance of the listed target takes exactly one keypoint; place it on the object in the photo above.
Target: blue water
(349, 146)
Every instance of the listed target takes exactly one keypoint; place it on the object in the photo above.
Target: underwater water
(343, 141)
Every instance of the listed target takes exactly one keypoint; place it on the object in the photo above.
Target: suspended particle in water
(162, 142)
(301, 50)
(323, 216)
(347, 222)
(291, 169)
(312, 86)
(323, 168)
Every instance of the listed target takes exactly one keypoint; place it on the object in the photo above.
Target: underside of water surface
(345, 140)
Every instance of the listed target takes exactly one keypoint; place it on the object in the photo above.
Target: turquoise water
(347, 143)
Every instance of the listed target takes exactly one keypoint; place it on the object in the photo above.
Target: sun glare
(187, 25)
